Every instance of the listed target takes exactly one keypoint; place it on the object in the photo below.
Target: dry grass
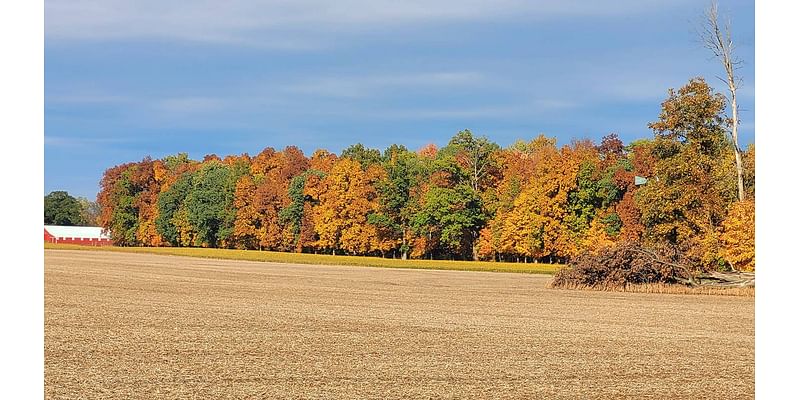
(324, 259)
(144, 326)
(666, 289)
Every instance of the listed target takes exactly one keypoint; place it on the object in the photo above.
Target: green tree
(453, 215)
(124, 218)
(583, 202)
(173, 162)
(461, 173)
(396, 195)
(209, 203)
(61, 209)
(169, 202)
(365, 156)
(476, 155)
(293, 213)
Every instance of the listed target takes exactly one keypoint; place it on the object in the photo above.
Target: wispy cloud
(86, 98)
(71, 141)
(297, 23)
(361, 86)
(477, 110)
(190, 105)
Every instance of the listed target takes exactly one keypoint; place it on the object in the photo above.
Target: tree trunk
(404, 255)
(735, 134)
(728, 279)
(721, 45)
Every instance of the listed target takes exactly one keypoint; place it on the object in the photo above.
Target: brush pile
(632, 263)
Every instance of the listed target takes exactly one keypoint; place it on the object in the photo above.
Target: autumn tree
(174, 173)
(90, 211)
(346, 197)
(638, 161)
(461, 172)
(739, 236)
(260, 194)
(590, 193)
(144, 179)
(611, 149)
(295, 215)
(547, 200)
(321, 163)
(247, 223)
(534, 226)
(591, 206)
(117, 204)
(514, 165)
(429, 151)
(685, 201)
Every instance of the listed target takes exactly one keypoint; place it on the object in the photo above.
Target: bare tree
(718, 40)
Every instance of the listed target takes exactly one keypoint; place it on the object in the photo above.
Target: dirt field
(149, 326)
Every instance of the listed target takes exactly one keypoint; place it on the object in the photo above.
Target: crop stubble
(123, 325)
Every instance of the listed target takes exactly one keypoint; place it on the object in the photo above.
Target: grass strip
(324, 259)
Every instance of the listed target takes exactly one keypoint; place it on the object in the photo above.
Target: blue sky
(127, 79)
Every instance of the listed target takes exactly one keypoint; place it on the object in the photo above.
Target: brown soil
(748, 291)
(149, 326)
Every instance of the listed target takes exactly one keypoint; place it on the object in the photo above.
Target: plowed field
(148, 326)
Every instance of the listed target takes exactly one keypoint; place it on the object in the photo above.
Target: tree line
(471, 199)
(60, 208)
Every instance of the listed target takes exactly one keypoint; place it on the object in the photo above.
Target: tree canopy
(533, 200)
(62, 209)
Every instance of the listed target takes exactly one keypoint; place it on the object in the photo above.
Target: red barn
(83, 235)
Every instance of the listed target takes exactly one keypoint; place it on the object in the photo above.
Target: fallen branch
(729, 279)
(689, 280)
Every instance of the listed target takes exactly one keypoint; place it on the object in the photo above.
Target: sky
(136, 78)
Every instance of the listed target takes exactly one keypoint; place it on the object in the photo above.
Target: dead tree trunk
(721, 45)
(728, 279)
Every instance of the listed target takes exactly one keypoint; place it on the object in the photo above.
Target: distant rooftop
(77, 231)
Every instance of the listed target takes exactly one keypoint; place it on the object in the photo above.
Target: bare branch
(720, 43)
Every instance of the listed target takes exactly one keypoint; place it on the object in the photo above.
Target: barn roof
(59, 231)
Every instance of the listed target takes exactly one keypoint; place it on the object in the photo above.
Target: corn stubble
(147, 326)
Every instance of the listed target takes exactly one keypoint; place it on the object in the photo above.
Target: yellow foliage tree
(346, 197)
(596, 237)
(187, 235)
(739, 236)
